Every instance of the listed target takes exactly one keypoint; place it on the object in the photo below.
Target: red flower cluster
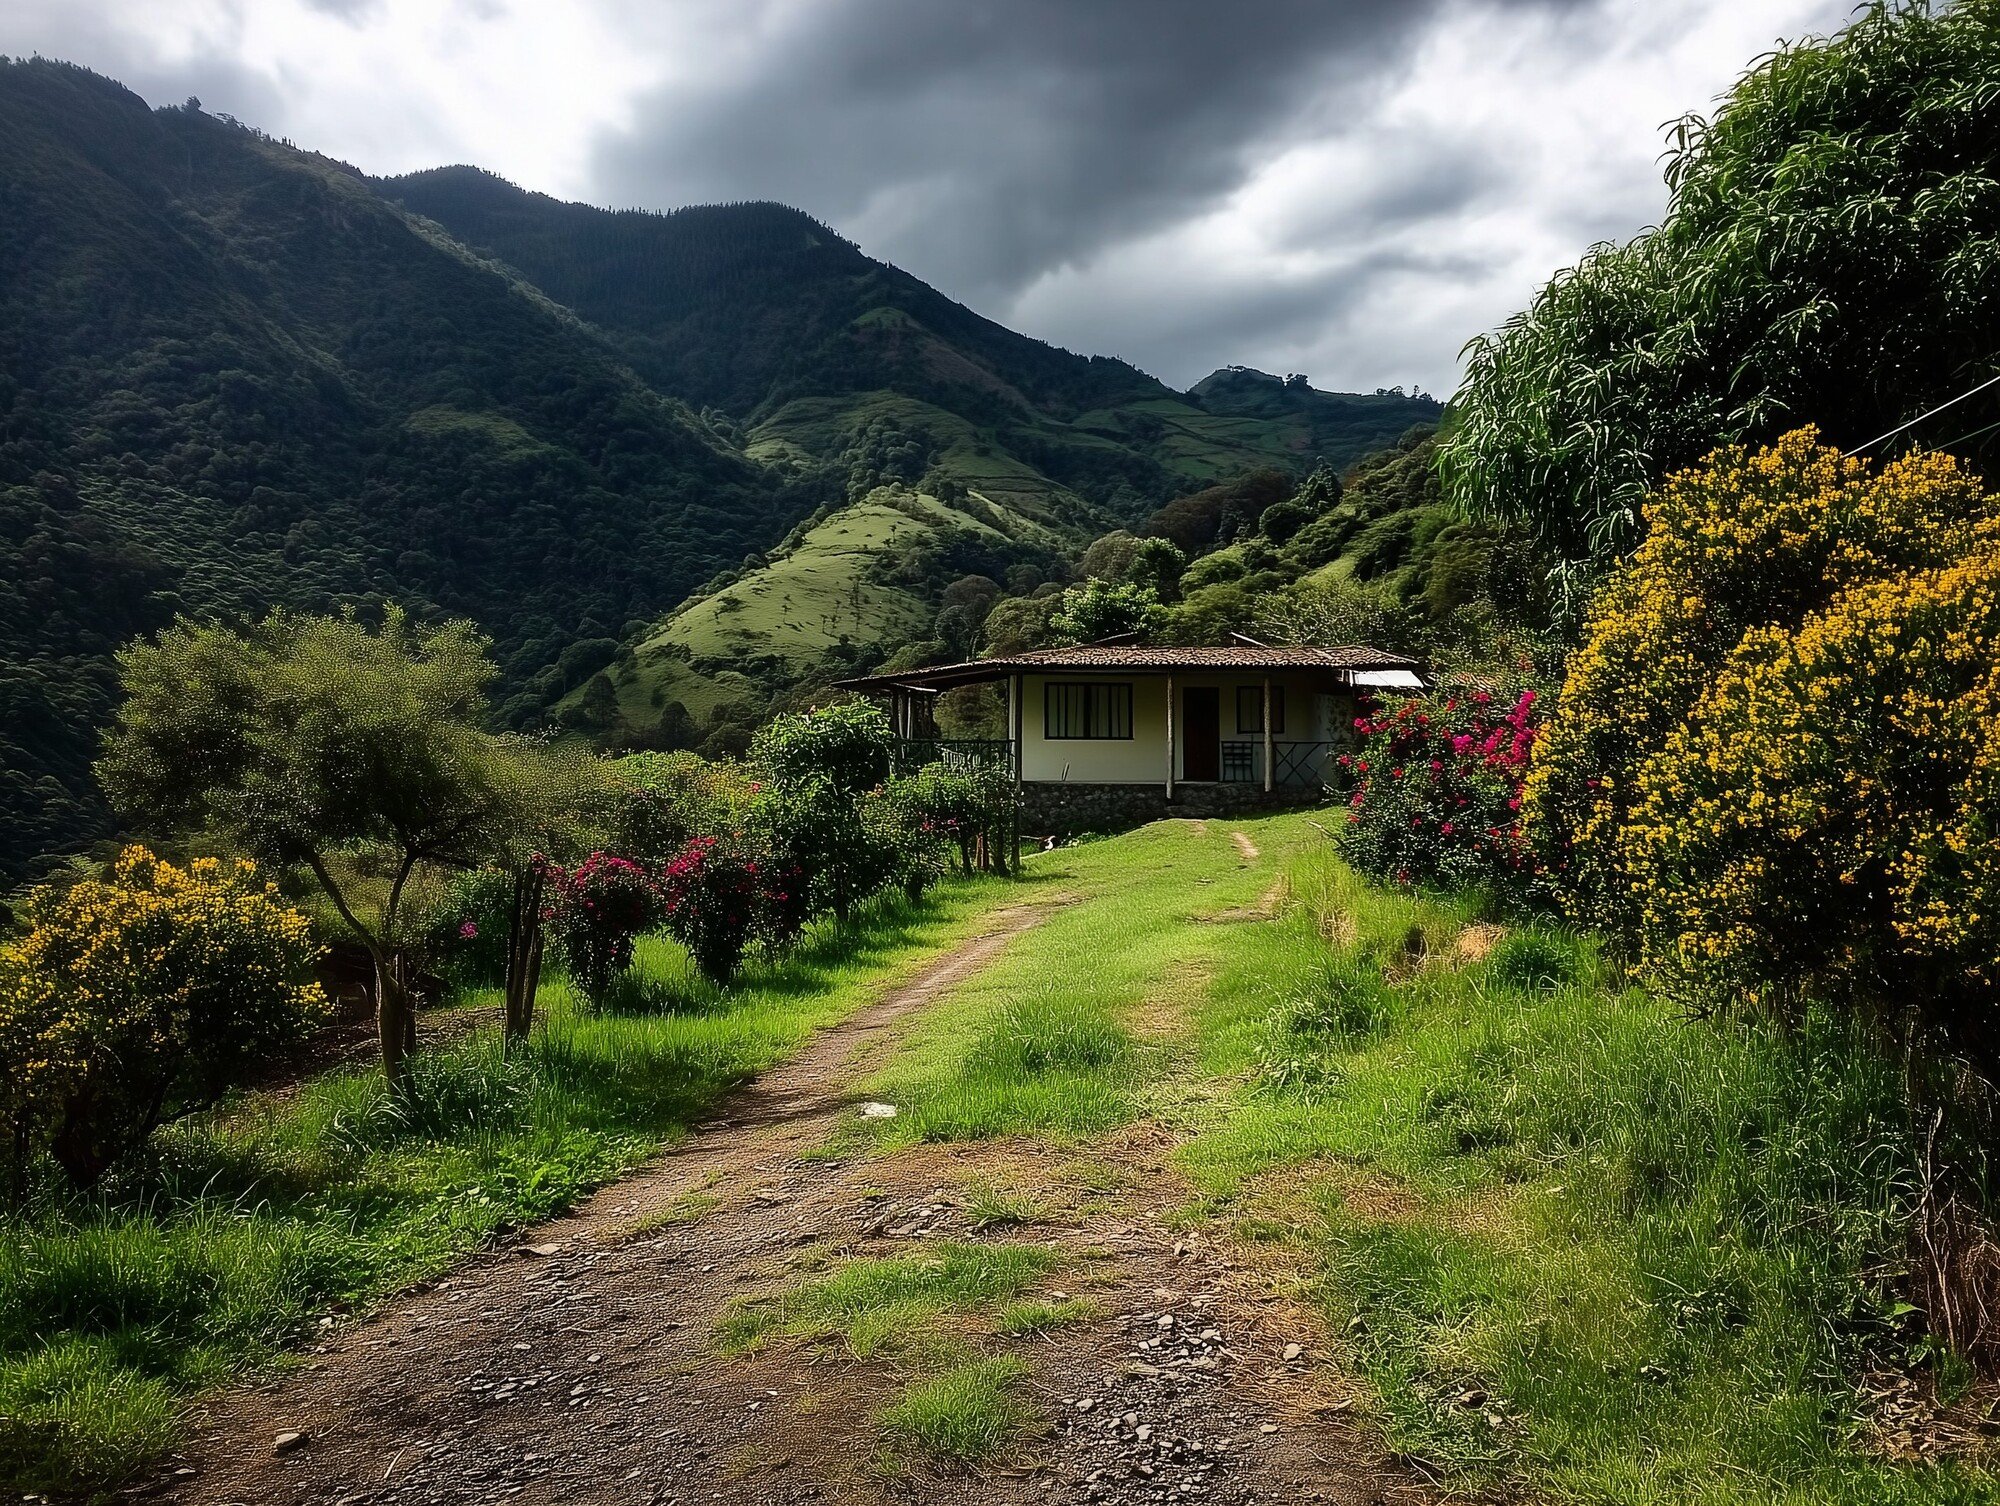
(717, 895)
(596, 911)
(1448, 810)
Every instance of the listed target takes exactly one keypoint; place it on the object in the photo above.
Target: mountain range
(720, 441)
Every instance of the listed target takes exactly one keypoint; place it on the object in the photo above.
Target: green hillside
(233, 376)
(964, 448)
(236, 375)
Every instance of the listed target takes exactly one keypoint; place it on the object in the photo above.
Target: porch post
(1015, 713)
(1267, 734)
(1016, 721)
(1170, 739)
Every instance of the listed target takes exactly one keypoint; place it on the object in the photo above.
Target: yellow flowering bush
(138, 998)
(1825, 819)
(1748, 543)
(40, 1058)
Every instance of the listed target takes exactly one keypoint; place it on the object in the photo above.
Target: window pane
(1074, 710)
(1249, 708)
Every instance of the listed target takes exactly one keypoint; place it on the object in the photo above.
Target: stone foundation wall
(1062, 810)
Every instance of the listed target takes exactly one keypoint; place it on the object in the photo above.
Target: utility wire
(1952, 402)
(1987, 429)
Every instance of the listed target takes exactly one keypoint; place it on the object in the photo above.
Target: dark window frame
(1252, 718)
(1117, 697)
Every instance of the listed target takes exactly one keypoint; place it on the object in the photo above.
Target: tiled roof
(1116, 656)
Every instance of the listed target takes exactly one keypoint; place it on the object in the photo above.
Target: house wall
(1312, 714)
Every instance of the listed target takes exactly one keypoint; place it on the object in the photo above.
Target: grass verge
(252, 1225)
(1580, 1245)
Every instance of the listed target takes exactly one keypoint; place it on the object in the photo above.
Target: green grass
(252, 1224)
(969, 1413)
(1658, 1247)
(1042, 1040)
(1658, 1251)
(923, 1313)
(1019, 1318)
(888, 1305)
(818, 594)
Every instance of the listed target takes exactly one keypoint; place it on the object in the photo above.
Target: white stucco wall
(1311, 715)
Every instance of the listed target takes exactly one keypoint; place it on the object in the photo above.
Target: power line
(1986, 429)
(1951, 402)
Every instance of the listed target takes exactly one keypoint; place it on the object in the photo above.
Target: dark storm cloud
(983, 145)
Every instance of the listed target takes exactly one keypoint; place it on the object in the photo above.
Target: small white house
(1111, 732)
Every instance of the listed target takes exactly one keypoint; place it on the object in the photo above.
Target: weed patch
(876, 1306)
(1038, 1317)
(969, 1413)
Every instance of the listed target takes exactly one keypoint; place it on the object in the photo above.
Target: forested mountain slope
(234, 375)
(766, 314)
(231, 375)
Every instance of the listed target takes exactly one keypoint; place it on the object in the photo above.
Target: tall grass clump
(969, 1413)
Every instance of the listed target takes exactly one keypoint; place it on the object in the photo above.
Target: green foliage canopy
(1827, 257)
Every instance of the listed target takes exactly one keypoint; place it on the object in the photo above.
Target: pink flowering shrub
(1436, 795)
(715, 894)
(595, 912)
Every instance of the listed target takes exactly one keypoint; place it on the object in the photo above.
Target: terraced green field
(820, 593)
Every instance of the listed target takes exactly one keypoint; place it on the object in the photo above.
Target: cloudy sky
(1349, 188)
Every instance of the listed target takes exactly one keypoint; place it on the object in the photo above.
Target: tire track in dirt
(578, 1366)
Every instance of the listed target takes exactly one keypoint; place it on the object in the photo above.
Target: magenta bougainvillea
(595, 911)
(1436, 794)
(716, 896)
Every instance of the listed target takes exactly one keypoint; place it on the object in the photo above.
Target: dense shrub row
(726, 857)
(1771, 764)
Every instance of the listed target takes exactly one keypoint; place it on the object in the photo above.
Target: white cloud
(1370, 252)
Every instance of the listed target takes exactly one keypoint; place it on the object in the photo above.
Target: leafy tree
(1094, 611)
(558, 802)
(1282, 521)
(1018, 624)
(1109, 558)
(313, 741)
(902, 828)
(1158, 563)
(970, 808)
(1826, 257)
(845, 745)
(811, 824)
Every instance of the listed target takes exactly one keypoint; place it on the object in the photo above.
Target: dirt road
(578, 1365)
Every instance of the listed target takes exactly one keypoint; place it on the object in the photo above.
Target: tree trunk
(395, 1021)
(524, 955)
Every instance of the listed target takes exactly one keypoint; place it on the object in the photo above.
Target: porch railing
(969, 753)
(1294, 765)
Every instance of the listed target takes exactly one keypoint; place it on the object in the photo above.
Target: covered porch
(1179, 723)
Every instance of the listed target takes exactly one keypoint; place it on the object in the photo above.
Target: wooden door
(1201, 739)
